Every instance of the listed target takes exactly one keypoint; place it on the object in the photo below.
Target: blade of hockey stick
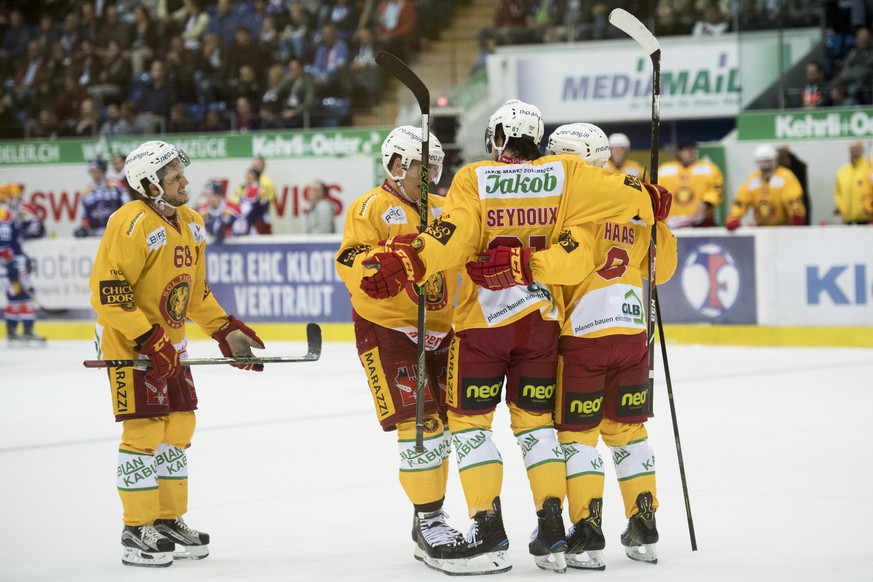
(419, 90)
(313, 353)
(631, 26)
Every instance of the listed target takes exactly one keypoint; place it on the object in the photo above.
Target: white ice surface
(294, 480)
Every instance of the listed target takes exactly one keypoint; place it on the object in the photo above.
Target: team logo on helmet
(174, 301)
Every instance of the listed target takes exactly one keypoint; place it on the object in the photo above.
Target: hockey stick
(404, 74)
(313, 342)
(630, 25)
(676, 429)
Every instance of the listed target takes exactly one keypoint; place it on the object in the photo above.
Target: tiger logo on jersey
(683, 195)
(174, 301)
(434, 292)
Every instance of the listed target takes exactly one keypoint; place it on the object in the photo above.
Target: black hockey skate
(194, 544)
(483, 550)
(435, 540)
(144, 546)
(548, 543)
(641, 535)
(585, 541)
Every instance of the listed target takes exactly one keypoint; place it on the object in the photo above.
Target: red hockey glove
(236, 339)
(661, 200)
(161, 353)
(401, 242)
(501, 268)
(395, 270)
(796, 220)
(732, 223)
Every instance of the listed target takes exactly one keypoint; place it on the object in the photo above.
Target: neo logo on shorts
(711, 280)
(584, 408)
(480, 393)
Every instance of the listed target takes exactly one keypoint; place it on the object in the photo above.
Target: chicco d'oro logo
(441, 230)
(174, 301)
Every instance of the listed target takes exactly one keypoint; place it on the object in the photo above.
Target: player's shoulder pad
(130, 217)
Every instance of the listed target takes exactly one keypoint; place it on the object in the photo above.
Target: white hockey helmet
(405, 141)
(765, 152)
(619, 140)
(144, 162)
(582, 139)
(518, 119)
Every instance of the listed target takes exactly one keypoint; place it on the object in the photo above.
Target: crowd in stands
(123, 67)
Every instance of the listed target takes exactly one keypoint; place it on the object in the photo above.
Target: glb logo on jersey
(711, 280)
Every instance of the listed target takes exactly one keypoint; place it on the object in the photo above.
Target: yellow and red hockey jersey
(525, 204)
(630, 167)
(773, 201)
(699, 182)
(610, 300)
(376, 216)
(149, 271)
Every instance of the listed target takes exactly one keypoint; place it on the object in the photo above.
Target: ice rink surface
(293, 479)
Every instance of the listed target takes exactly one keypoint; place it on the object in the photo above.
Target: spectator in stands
(46, 34)
(210, 75)
(320, 214)
(296, 38)
(331, 57)
(68, 100)
(45, 126)
(857, 68)
(88, 64)
(191, 22)
(244, 51)
(853, 191)
(225, 22)
(29, 74)
(58, 66)
(248, 85)
(219, 214)
(343, 15)
(273, 98)
(816, 92)
(786, 158)
(245, 117)
(114, 28)
(155, 101)
(88, 122)
(667, 23)
(115, 125)
(13, 47)
(145, 40)
(114, 78)
(510, 21)
(182, 66)
(71, 37)
(396, 27)
(772, 192)
(88, 24)
(713, 22)
(363, 70)
(750, 18)
(297, 108)
(488, 46)
(180, 121)
(268, 39)
(213, 121)
(840, 96)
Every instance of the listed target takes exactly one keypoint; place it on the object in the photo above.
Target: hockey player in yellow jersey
(772, 192)
(509, 204)
(853, 187)
(696, 186)
(386, 334)
(618, 162)
(603, 377)
(149, 277)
